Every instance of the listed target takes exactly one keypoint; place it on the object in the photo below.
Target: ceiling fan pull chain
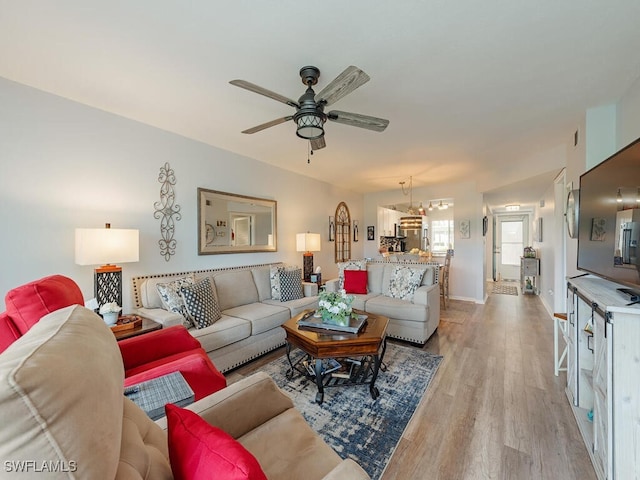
(309, 152)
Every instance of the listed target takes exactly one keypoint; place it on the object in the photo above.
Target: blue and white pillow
(171, 299)
(404, 282)
(290, 284)
(274, 279)
(201, 303)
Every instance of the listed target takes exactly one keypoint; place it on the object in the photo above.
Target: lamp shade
(101, 246)
(308, 242)
(310, 125)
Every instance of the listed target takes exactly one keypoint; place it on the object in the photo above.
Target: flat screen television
(609, 219)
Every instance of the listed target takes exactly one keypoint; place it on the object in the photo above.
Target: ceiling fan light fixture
(310, 125)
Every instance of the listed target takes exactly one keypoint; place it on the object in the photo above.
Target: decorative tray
(309, 321)
(127, 322)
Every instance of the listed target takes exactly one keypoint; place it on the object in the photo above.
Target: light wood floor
(494, 410)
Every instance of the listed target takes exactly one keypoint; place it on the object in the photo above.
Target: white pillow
(172, 300)
(274, 278)
(404, 282)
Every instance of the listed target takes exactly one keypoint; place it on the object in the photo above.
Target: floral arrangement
(110, 308)
(335, 307)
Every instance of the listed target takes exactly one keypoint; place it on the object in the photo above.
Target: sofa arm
(426, 294)
(309, 289)
(160, 315)
(348, 469)
(156, 345)
(242, 406)
(332, 285)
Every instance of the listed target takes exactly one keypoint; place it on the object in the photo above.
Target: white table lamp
(105, 247)
(307, 243)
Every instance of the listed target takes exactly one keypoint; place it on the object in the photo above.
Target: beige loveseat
(251, 318)
(413, 319)
(64, 414)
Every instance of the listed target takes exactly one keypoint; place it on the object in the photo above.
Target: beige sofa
(64, 413)
(251, 319)
(414, 319)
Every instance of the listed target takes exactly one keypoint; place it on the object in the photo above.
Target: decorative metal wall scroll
(167, 211)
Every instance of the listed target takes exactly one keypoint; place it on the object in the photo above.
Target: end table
(146, 326)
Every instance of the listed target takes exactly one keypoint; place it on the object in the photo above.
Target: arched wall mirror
(343, 233)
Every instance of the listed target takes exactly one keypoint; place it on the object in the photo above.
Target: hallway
(495, 409)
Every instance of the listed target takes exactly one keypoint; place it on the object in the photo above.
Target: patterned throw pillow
(171, 299)
(404, 282)
(290, 285)
(201, 303)
(349, 265)
(274, 278)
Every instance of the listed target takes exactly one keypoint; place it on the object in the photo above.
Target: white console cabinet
(603, 375)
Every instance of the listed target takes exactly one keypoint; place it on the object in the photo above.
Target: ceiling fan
(310, 115)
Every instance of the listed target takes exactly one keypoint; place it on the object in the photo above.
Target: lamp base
(107, 285)
(307, 266)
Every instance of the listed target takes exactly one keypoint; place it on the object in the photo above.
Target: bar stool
(559, 328)
(444, 280)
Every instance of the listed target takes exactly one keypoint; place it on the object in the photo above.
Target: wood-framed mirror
(232, 223)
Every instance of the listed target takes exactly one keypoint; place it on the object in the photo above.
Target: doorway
(242, 232)
(510, 235)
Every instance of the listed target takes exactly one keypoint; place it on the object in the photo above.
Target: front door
(511, 233)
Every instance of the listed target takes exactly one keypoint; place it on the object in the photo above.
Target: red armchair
(168, 350)
(145, 357)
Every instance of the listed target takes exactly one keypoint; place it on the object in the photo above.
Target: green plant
(335, 307)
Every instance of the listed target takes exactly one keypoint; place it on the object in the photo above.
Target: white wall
(546, 249)
(628, 116)
(601, 134)
(65, 165)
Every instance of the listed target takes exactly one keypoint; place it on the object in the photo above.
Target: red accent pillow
(355, 281)
(199, 451)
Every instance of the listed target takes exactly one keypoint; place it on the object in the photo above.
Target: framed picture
(598, 229)
(371, 232)
(465, 229)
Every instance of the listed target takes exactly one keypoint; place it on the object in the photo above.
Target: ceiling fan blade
(357, 120)
(343, 84)
(263, 91)
(318, 143)
(272, 123)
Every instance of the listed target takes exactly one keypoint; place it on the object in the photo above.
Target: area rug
(349, 420)
(503, 289)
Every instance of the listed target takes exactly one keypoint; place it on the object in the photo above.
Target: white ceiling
(473, 90)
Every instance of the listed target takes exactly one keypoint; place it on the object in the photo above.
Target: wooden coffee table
(369, 345)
